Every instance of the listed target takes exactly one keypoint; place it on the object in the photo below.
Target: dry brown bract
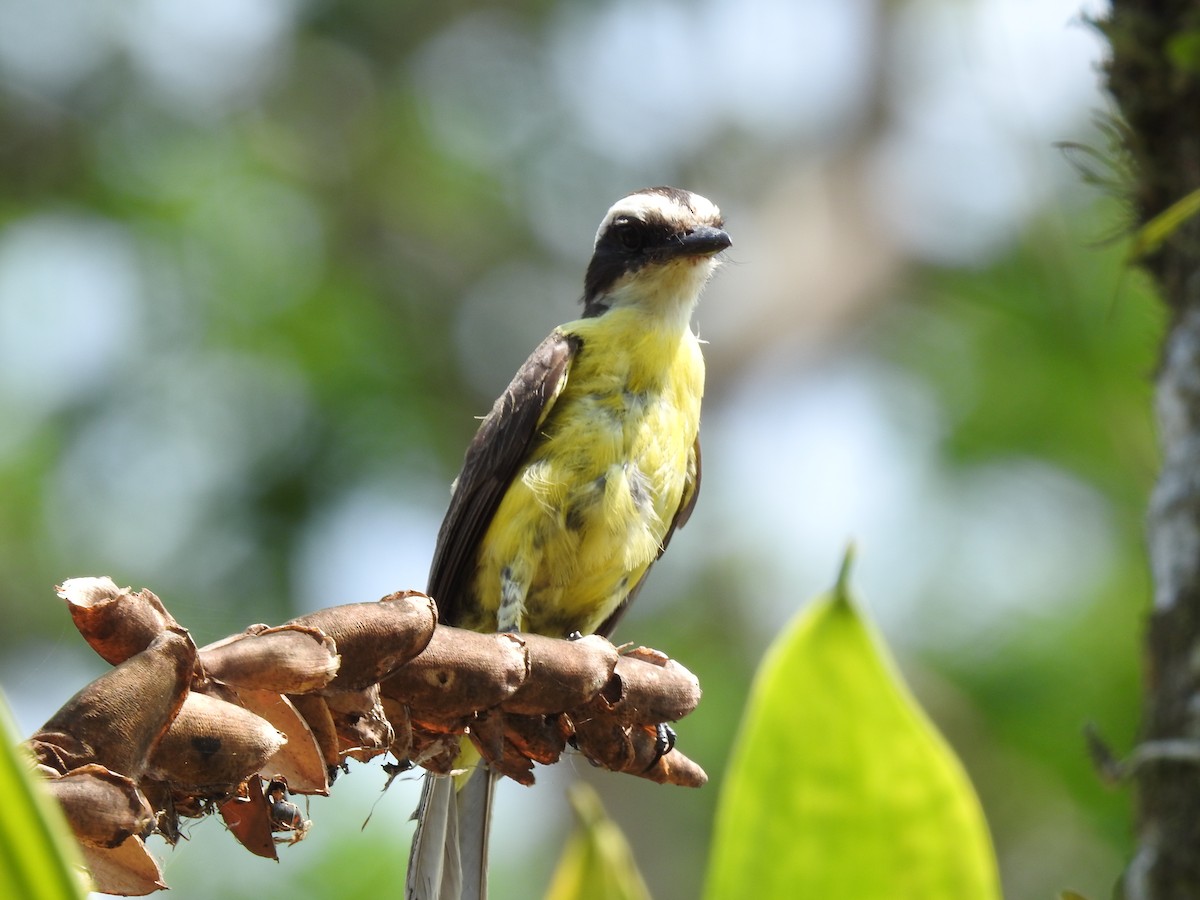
(174, 731)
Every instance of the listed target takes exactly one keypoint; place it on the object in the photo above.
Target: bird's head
(655, 249)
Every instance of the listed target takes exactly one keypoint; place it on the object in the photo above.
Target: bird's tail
(448, 859)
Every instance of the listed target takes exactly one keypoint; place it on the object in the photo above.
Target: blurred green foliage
(262, 264)
(597, 863)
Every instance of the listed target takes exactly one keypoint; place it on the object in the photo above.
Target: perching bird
(575, 481)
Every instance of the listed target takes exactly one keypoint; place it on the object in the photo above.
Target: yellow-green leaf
(597, 863)
(840, 788)
(1150, 236)
(38, 854)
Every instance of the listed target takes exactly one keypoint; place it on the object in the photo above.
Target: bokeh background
(263, 262)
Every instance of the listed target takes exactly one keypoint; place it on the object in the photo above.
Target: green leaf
(839, 786)
(597, 863)
(38, 854)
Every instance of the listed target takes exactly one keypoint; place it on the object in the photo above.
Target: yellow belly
(588, 511)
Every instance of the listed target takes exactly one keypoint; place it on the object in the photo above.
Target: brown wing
(687, 503)
(493, 457)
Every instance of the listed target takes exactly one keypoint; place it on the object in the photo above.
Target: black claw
(665, 742)
(575, 636)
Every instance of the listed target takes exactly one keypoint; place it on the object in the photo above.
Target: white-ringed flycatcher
(575, 481)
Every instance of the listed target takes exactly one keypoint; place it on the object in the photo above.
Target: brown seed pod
(460, 672)
(540, 738)
(315, 712)
(127, 871)
(116, 622)
(487, 734)
(362, 728)
(103, 808)
(562, 674)
(401, 722)
(435, 751)
(213, 746)
(299, 761)
(512, 744)
(195, 732)
(650, 688)
(634, 750)
(675, 768)
(291, 659)
(375, 639)
(119, 718)
(248, 816)
(616, 747)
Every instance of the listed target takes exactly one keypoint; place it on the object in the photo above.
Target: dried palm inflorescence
(236, 727)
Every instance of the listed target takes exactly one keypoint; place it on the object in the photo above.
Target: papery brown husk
(103, 808)
(300, 761)
(363, 730)
(459, 673)
(290, 659)
(126, 871)
(116, 622)
(248, 817)
(212, 746)
(651, 688)
(118, 719)
(316, 714)
(375, 639)
(562, 674)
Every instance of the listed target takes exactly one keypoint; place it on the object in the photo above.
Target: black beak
(704, 241)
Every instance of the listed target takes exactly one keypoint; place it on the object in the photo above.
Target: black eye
(629, 234)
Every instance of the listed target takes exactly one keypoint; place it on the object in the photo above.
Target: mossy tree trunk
(1154, 76)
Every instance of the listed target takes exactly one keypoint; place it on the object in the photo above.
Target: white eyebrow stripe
(644, 204)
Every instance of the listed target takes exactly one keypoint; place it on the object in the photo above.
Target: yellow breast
(588, 511)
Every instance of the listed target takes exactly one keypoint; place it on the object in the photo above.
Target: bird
(574, 482)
